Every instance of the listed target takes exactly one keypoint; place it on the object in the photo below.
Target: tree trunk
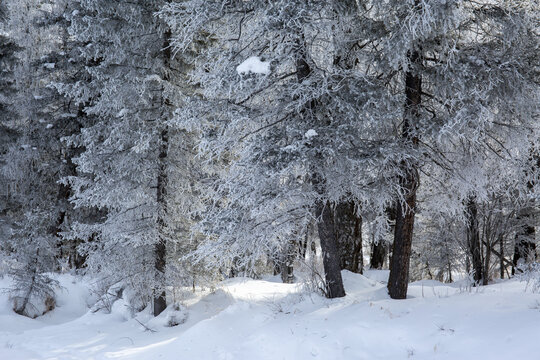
(524, 247)
(378, 254)
(348, 226)
(160, 250)
(473, 239)
(286, 263)
(501, 258)
(398, 280)
(323, 212)
(487, 261)
(330, 255)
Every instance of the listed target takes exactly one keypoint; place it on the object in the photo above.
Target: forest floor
(244, 319)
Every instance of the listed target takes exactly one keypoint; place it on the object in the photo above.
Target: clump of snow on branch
(310, 133)
(254, 65)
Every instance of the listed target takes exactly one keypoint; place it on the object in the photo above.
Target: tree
(9, 117)
(274, 103)
(125, 166)
(35, 202)
(455, 60)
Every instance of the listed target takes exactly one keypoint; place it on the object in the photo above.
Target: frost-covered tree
(283, 105)
(34, 257)
(9, 116)
(303, 130)
(125, 168)
(463, 71)
(30, 170)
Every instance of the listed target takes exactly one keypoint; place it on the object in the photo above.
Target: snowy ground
(249, 319)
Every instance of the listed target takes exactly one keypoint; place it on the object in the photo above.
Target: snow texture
(254, 65)
(265, 319)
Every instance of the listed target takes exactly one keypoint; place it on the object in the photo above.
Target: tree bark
(160, 250)
(398, 280)
(501, 258)
(330, 255)
(348, 227)
(473, 239)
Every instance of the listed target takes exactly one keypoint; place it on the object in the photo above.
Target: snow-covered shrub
(108, 295)
(33, 296)
(176, 315)
(531, 274)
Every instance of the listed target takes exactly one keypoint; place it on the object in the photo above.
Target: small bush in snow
(531, 274)
(176, 315)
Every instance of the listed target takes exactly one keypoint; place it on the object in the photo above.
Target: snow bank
(255, 319)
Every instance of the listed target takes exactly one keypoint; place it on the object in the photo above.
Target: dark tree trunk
(348, 226)
(524, 247)
(398, 280)
(323, 211)
(501, 258)
(379, 247)
(487, 261)
(286, 263)
(473, 239)
(160, 250)
(379, 250)
(330, 255)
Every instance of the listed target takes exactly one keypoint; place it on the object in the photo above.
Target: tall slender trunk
(323, 211)
(398, 280)
(487, 261)
(160, 250)
(348, 227)
(473, 239)
(501, 257)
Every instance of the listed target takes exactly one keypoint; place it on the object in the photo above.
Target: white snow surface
(254, 65)
(264, 319)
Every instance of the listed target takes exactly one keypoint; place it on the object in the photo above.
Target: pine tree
(125, 166)
(282, 115)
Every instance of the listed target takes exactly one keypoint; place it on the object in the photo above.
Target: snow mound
(173, 315)
(356, 282)
(377, 275)
(265, 320)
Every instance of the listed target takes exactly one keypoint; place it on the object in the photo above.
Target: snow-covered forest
(288, 179)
